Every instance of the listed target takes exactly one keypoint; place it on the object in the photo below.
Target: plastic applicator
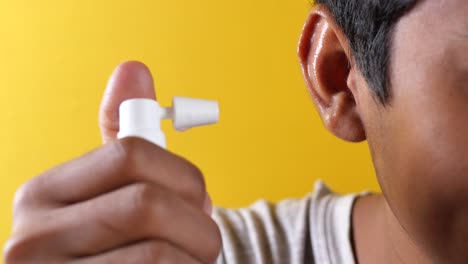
(142, 117)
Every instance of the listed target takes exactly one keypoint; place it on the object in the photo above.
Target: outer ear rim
(305, 38)
(304, 47)
(307, 32)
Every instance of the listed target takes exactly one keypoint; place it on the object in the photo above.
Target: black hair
(368, 25)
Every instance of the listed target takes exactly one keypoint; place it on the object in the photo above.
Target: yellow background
(56, 56)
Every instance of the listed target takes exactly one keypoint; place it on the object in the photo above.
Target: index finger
(111, 167)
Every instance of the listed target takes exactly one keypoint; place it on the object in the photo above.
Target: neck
(378, 236)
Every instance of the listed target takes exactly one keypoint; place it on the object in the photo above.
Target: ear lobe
(326, 66)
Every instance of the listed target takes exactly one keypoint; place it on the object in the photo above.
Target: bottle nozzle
(189, 112)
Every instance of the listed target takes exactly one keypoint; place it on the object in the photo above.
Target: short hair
(369, 26)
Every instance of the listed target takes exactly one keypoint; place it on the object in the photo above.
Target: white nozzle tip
(189, 112)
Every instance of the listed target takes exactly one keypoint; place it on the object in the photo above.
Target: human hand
(129, 201)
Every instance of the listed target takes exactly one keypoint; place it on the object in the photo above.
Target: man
(392, 72)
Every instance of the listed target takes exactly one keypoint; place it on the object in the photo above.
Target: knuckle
(24, 197)
(149, 205)
(141, 199)
(10, 254)
(196, 184)
(127, 152)
(160, 209)
(16, 250)
(214, 243)
(30, 241)
(155, 252)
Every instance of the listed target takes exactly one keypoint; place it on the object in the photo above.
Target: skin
(126, 202)
(132, 202)
(417, 140)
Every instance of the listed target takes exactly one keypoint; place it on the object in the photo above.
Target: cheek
(425, 158)
(434, 144)
(430, 125)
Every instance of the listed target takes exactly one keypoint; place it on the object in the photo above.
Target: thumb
(129, 80)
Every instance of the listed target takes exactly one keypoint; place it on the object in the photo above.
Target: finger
(134, 213)
(129, 80)
(146, 252)
(108, 168)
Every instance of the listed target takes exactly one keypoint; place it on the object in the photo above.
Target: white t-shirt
(316, 229)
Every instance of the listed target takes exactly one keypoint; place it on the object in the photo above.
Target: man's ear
(327, 67)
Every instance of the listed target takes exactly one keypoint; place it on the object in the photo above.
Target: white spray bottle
(142, 117)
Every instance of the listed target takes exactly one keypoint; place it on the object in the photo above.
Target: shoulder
(291, 231)
(331, 225)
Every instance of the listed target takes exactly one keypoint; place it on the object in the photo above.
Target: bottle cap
(142, 118)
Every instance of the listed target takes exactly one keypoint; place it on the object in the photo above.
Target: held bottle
(142, 117)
